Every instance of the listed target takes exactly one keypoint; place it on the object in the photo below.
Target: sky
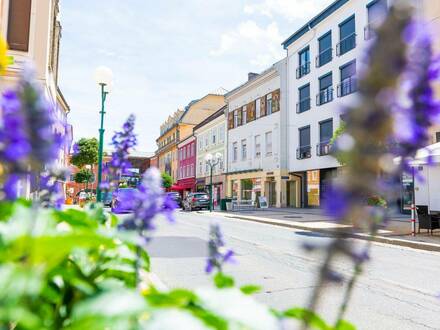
(165, 53)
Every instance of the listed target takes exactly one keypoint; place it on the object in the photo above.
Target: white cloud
(289, 9)
(260, 44)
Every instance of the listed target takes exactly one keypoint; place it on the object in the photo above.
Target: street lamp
(212, 161)
(104, 78)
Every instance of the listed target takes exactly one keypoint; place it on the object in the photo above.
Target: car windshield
(201, 195)
(125, 191)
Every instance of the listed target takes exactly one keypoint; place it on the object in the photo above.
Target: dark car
(176, 198)
(122, 201)
(196, 201)
(107, 198)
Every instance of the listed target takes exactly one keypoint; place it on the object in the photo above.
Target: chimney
(252, 75)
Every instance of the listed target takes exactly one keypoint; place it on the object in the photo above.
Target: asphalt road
(399, 289)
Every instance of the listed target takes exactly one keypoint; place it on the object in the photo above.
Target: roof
(219, 91)
(140, 154)
(215, 115)
(314, 22)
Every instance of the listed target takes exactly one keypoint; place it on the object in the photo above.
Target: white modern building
(323, 57)
(211, 140)
(257, 127)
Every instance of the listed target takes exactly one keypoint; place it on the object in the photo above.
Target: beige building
(33, 32)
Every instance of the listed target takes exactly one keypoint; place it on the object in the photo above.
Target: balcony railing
(303, 105)
(324, 96)
(347, 86)
(302, 70)
(323, 148)
(346, 44)
(324, 57)
(303, 152)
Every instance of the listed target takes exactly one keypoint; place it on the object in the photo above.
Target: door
(291, 193)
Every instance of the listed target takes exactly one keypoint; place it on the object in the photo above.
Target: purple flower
(51, 189)
(75, 149)
(218, 254)
(10, 187)
(147, 202)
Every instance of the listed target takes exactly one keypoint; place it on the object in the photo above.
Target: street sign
(263, 202)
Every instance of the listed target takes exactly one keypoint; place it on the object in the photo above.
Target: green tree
(87, 152)
(167, 181)
(83, 176)
(340, 156)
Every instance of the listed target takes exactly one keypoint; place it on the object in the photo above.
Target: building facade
(256, 162)
(324, 57)
(211, 139)
(187, 165)
(33, 33)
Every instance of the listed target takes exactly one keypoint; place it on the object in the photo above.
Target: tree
(87, 153)
(167, 181)
(83, 176)
(340, 155)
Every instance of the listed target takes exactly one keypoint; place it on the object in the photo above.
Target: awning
(176, 187)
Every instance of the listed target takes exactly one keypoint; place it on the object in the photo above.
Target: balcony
(324, 96)
(323, 148)
(303, 70)
(303, 152)
(346, 44)
(324, 57)
(347, 86)
(303, 105)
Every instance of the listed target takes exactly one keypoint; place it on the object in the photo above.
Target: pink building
(187, 165)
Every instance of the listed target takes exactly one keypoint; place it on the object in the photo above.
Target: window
(325, 135)
(192, 169)
(347, 36)
(235, 118)
(214, 136)
(240, 117)
(257, 146)
(206, 140)
(269, 104)
(437, 137)
(181, 172)
(200, 143)
(268, 144)
(221, 134)
(304, 143)
(184, 153)
(257, 109)
(304, 99)
(304, 63)
(325, 49)
(243, 149)
(19, 22)
(325, 94)
(244, 115)
(234, 151)
(376, 12)
(348, 83)
(200, 167)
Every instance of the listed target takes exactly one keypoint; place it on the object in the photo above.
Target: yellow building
(180, 125)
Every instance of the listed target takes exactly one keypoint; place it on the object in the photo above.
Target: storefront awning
(176, 187)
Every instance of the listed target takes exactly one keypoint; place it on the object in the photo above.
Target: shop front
(187, 185)
(201, 185)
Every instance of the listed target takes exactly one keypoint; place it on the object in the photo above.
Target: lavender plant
(373, 138)
(217, 251)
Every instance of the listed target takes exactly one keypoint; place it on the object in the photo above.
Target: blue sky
(165, 53)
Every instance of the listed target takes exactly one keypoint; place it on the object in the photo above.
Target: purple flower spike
(218, 254)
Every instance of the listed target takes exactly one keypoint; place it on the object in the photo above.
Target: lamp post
(103, 77)
(212, 161)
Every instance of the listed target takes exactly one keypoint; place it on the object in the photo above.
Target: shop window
(268, 144)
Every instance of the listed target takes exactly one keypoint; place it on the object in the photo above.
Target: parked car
(107, 198)
(196, 201)
(176, 198)
(121, 201)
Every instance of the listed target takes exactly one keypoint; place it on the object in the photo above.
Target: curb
(380, 239)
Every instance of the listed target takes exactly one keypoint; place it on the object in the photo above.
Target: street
(398, 290)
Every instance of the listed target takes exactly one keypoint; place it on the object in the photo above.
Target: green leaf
(250, 289)
(344, 325)
(176, 298)
(309, 317)
(223, 281)
(76, 218)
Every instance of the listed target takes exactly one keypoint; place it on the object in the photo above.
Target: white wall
(262, 85)
(317, 114)
(427, 190)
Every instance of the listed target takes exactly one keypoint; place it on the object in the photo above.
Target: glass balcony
(303, 105)
(346, 44)
(323, 148)
(324, 57)
(302, 70)
(303, 152)
(324, 96)
(347, 86)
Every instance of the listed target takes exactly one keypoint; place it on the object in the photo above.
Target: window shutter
(230, 120)
(251, 111)
(19, 24)
(263, 106)
(276, 101)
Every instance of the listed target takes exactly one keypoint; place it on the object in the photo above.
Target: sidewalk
(398, 231)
